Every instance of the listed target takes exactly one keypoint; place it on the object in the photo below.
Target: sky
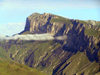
(13, 13)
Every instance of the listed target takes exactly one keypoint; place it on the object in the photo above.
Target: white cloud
(40, 37)
(11, 28)
(21, 24)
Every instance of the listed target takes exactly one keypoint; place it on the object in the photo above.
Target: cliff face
(45, 23)
(39, 23)
(78, 54)
(57, 25)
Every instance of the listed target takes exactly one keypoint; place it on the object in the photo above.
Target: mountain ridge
(49, 23)
(57, 57)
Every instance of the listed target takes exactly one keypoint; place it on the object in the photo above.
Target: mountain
(74, 49)
(53, 24)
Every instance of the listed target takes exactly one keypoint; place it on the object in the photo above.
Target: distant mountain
(74, 49)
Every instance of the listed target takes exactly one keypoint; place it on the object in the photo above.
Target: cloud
(20, 23)
(30, 37)
(11, 28)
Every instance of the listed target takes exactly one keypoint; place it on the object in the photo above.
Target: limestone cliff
(57, 25)
(44, 23)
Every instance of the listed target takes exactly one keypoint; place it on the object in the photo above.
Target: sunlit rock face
(56, 25)
(43, 23)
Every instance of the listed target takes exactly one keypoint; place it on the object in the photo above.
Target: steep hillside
(12, 68)
(78, 64)
(77, 54)
(43, 55)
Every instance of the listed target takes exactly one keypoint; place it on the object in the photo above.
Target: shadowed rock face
(76, 39)
(27, 26)
(74, 55)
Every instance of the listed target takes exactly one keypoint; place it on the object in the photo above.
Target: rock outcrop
(44, 23)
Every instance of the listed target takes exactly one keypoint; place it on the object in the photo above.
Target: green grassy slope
(92, 32)
(9, 67)
(12, 68)
(35, 54)
(3, 53)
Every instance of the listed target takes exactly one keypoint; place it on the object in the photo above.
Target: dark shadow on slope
(29, 60)
(92, 56)
(92, 52)
(61, 31)
(59, 65)
(27, 26)
(76, 39)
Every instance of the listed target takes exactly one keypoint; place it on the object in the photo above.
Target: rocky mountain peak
(38, 23)
(48, 23)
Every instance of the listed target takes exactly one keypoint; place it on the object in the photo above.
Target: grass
(12, 68)
(37, 49)
(60, 19)
(3, 54)
(92, 32)
(8, 67)
(26, 32)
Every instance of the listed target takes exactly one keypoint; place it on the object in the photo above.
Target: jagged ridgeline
(74, 49)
